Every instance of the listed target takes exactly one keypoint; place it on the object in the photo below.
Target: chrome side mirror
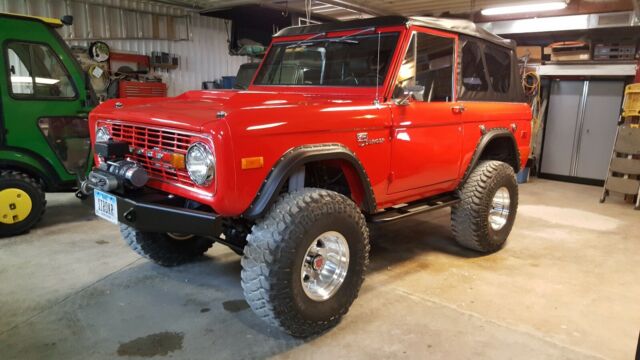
(409, 93)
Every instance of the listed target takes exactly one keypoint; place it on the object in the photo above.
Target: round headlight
(103, 134)
(200, 164)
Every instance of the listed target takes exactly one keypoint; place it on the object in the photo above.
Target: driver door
(427, 124)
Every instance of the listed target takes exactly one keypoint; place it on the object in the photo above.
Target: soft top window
(499, 68)
(488, 72)
(473, 76)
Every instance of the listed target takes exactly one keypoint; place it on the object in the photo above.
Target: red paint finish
(420, 149)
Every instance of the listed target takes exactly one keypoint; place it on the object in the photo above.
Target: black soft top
(452, 25)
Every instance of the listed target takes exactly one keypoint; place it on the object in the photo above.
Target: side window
(21, 79)
(499, 68)
(473, 78)
(36, 72)
(427, 69)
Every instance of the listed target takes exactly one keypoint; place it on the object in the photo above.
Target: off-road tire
(470, 217)
(275, 250)
(163, 249)
(24, 182)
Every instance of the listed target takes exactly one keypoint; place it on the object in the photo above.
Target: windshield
(347, 61)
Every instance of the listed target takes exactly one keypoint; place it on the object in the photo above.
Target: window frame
(34, 97)
(403, 53)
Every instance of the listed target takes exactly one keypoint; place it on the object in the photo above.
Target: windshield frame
(334, 89)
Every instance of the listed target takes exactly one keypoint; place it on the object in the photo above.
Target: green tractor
(45, 98)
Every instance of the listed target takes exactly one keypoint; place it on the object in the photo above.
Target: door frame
(395, 124)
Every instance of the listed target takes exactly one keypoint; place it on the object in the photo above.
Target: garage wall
(203, 57)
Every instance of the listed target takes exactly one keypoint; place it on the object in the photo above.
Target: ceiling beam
(353, 5)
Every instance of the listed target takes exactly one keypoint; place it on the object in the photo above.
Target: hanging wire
(531, 86)
(307, 9)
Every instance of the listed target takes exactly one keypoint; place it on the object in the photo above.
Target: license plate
(106, 206)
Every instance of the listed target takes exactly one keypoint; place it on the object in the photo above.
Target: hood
(195, 109)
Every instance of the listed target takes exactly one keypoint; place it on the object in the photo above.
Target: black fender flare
(485, 139)
(298, 156)
(49, 177)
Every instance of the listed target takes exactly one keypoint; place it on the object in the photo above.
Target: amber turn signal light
(177, 161)
(252, 163)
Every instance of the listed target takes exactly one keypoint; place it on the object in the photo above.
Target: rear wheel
(305, 261)
(166, 249)
(22, 202)
(483, 218)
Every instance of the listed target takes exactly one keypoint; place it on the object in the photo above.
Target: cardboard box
(569, 51)
(533, 52)
(571, 55)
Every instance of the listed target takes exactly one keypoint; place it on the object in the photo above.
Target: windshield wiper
(345, 39)
(307, 39)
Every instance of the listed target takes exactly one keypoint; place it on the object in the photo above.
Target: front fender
(298, 156)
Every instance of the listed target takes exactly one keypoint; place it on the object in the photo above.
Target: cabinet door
(598, 128)
(560, 132)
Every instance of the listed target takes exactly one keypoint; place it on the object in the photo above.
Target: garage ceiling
(349, 9)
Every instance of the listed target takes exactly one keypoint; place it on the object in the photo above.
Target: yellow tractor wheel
(22, 202)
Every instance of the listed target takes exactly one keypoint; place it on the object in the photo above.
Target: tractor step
(414, 208)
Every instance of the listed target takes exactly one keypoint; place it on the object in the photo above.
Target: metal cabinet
(581, 128)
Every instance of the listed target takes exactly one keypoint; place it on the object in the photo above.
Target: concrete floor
(566, 286)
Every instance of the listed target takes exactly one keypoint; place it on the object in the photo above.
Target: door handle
(457, 109)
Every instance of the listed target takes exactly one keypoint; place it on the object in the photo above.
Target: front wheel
(305, 261)
(166, 249)
(483, 218)
(22, 202)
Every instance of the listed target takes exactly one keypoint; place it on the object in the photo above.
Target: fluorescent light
(516, 9)
(29, 79)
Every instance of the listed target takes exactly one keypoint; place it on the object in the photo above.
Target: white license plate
(106, 206)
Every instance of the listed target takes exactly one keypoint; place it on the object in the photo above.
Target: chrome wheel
(325, 266)
(499, 212)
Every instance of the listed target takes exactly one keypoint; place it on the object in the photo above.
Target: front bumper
(151, 211)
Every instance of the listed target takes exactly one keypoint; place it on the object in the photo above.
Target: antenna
(376, 101)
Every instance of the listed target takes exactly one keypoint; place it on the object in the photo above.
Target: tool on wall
(624, 167)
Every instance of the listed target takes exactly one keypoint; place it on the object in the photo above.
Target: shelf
(164, 66)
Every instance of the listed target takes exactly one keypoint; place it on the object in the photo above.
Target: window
(499, 68)
(69, 138)
(427, 69)
(36, 72)
(347, 61)
(473, 77)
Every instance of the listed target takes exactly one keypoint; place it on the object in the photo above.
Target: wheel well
(501, 149)
(334, 175)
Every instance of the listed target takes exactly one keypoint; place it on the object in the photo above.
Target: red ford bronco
(344, 124)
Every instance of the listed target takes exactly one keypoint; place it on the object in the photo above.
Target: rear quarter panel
(495, 115)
